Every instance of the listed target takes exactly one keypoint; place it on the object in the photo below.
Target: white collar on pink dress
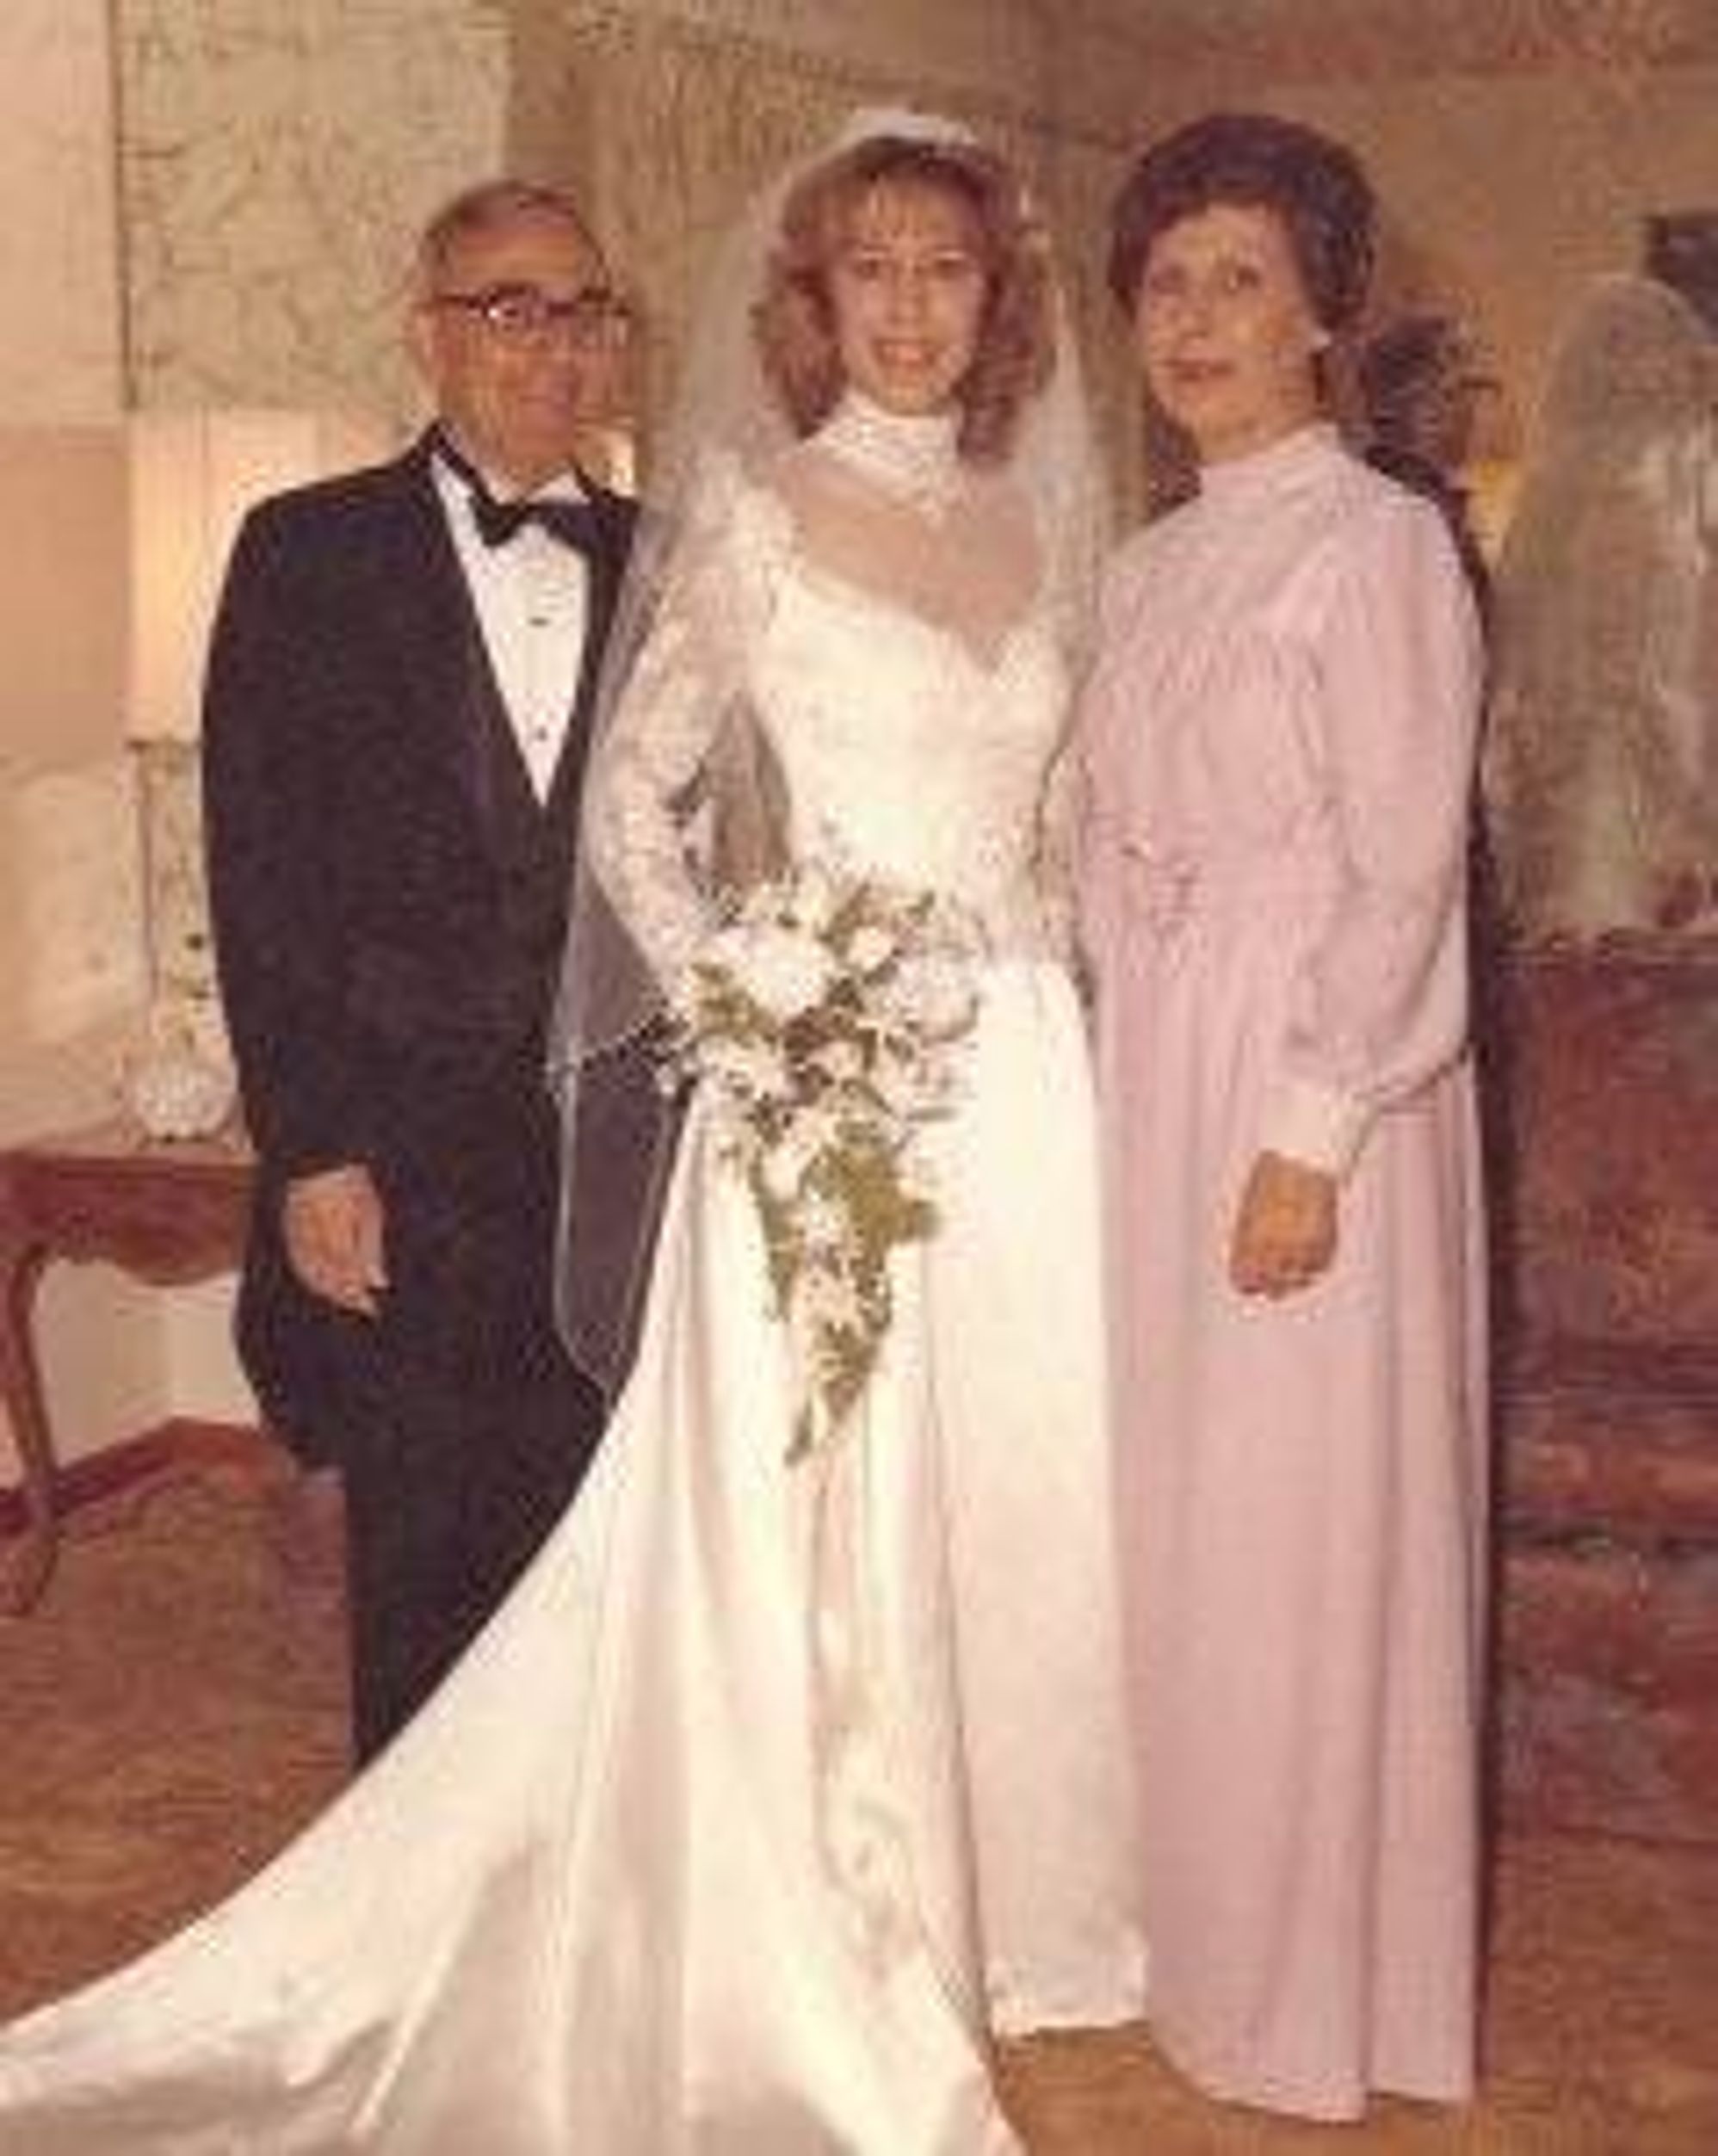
(1307, 449)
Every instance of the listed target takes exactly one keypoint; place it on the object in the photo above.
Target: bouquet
(823, 1020)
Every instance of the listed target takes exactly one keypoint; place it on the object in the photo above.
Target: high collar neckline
(911, 454)
(1287, 458)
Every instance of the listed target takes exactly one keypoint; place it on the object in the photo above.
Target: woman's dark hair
(793, 325)
(1254, 161)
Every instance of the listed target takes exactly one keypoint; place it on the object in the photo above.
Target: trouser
(449, 1492)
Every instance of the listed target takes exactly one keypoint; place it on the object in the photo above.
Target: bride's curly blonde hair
(793, 322)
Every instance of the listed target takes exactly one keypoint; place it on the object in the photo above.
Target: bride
(793, 1770)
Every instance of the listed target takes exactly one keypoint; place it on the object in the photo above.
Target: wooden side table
(166, 1213)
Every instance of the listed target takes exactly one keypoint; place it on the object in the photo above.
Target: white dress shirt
(532, 596)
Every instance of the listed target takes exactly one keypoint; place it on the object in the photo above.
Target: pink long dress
(1281, 731)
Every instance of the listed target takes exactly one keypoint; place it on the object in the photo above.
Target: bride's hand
(1285, 1232)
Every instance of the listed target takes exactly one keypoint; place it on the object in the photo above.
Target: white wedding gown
(773, 1790)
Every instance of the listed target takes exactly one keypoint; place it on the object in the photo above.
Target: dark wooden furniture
(1608, 1388)
(165, 1213)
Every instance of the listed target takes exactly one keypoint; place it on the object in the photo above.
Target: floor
(174, 1709)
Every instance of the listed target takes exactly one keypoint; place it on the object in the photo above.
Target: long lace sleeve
(644, 895)
(649, 805)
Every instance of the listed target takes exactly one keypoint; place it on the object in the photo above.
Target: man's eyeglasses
(525, 314)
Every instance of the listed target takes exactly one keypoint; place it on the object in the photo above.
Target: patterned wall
(276, 164)
(59, 331)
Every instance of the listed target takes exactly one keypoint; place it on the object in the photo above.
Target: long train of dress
(769, 1791)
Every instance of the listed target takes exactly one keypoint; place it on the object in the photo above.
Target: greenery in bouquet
(823, 1020)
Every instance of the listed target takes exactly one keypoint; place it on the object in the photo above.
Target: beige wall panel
(62, 594)
(59, 330)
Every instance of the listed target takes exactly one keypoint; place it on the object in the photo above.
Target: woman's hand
(1285, 1227)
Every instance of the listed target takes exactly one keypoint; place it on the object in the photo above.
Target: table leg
(25, 1565)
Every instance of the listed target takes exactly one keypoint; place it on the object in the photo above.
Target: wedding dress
(774, 1789)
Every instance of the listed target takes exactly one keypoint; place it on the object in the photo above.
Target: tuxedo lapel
(445, 661)
(446, 665)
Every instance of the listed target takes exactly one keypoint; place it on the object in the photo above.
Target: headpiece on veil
(1601, 762)
(726, 417)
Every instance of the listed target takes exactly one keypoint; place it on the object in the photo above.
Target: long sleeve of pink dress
(1279, 735)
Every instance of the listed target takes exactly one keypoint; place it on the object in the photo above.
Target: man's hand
(1285, 1228)
(332, 1222)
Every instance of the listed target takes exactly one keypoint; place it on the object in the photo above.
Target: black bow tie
(578, 524)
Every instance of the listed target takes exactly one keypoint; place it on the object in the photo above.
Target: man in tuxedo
(398, 701)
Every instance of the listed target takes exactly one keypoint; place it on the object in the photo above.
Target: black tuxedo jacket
(389, 903)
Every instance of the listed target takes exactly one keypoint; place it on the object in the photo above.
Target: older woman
(1280, 729)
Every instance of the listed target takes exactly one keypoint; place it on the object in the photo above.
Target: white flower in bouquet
(783, 970)
(910, 1091)
(786, 1165)
(841, 1062)
(929, 994)
(824, 1226)
(752, 1069)
(871, 947)
(812, 896)
(828, 1308)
